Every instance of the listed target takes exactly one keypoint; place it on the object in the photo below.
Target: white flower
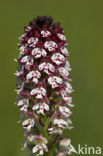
(36, 148)
(65, 111)
(46, 67)
(58, 58)
(41, 148)
(54, 81)
(68, 88)
(23, 104)
(61, 123)
(37, 52)
(63, 72)
(21, 37)
(27, 124)
(28, 28)
(62, 37)
(39, 91)
(35, 75)
(61, 154)
(55, 130)
(65, 51)
(71, 105)
(50, 45)
(23, 49)
(67, 66)
(65, 96)
(45, 33)
(37, 139)
(27, 60)
(41, 107)
(32, 42)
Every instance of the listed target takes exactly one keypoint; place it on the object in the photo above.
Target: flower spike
(43, 88)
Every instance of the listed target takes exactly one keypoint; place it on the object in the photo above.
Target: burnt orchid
(43, 88)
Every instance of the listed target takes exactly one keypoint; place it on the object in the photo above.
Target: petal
(25, 59)
(65, 51)
(43, 52)
(67, 65)
(33, 92)
(68, 88)
(46, 44)
(35, 51)
(45, 147)
(28, 28)
(35, 107)
(24, 108)
(53, 44)
(50, 80)
(65, 111)
(71, 105)
(39, 94)
(43, 90)
(41, 110)
(31, 40)
(54, 85)
(58, 79)
(61, 57)
(62, 37)
(42, 65)
(58, 58)
(36, 148)
(21, 102)
(30, 75)
(46, 107)
(38, 55)
(60, 123)
(35, 80)
(63, 71)
(38, 73)
(45, 33)
(27, 124)
(22, 49)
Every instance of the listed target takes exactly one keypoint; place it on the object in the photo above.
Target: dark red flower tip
(40, 21)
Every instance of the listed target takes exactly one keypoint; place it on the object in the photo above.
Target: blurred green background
(82, 21)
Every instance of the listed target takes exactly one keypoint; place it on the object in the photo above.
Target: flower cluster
(43, 86)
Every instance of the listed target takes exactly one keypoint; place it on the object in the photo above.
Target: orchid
(45, 33)
(51, 46)
(32, 42)
(41, 148)
(39, 91)
(58, 58)
(27, 124)
(37, 52)
(35, 75)
(55, 81)
(28, 61)
(62, 37)
(47, 67)
(43, 88)
(23, 104)
(41, 107)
